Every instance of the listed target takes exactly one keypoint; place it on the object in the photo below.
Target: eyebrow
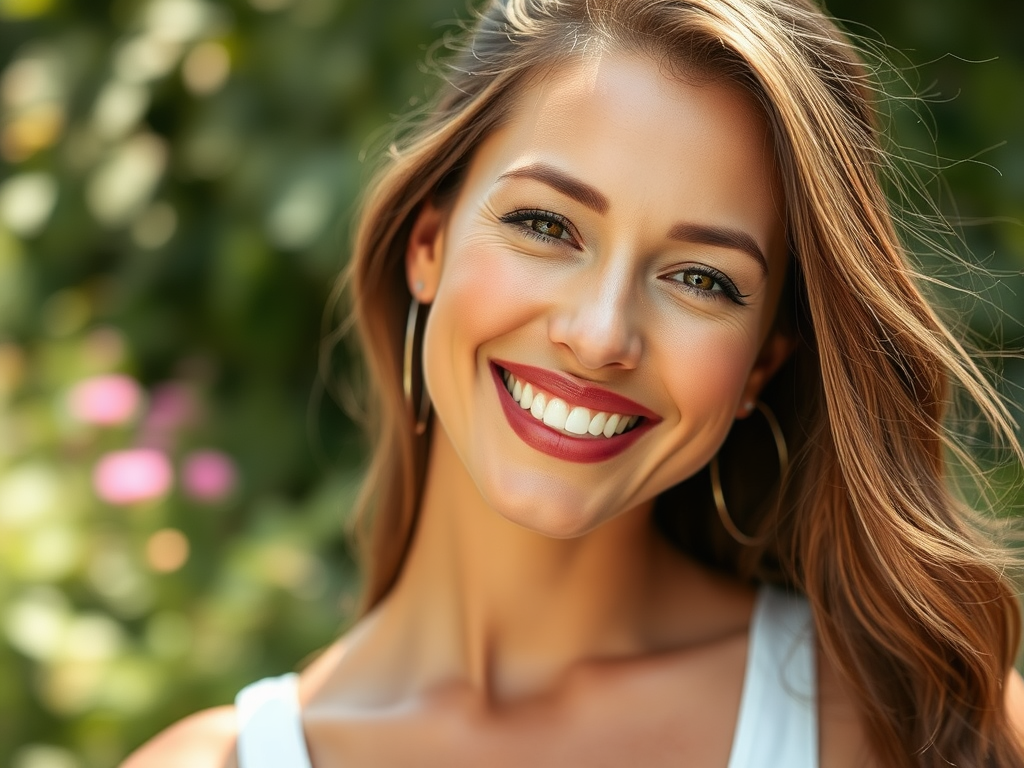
(719, 236)
(579, 191)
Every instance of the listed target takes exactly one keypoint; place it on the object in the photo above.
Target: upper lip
(576, 391)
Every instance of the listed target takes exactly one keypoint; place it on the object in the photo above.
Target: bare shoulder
(203, 740)
(1014, 691)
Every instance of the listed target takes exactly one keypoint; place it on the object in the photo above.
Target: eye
(708, 283)
(545, 227)
(701, 281)
(542, 225)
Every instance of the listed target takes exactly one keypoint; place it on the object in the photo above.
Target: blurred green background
(177, 183)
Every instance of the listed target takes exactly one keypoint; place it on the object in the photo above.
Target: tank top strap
(778, 717)
(270, 724)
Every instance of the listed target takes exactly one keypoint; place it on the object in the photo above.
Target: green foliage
(177, 179)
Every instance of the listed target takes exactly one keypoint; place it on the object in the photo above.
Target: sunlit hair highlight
(910, 603)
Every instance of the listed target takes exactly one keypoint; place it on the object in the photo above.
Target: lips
(614, 422)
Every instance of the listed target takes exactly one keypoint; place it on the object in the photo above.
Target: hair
(910, 603)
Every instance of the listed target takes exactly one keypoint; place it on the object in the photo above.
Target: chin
(554, 524)
(546, 505)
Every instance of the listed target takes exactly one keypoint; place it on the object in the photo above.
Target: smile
(565, 417)
(557, 414)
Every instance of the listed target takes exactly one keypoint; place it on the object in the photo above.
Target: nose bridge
(598, 318)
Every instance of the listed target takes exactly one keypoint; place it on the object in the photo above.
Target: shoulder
(203, 740)
(1014, 693)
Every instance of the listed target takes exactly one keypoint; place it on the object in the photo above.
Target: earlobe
(774, 352)
(424, 251)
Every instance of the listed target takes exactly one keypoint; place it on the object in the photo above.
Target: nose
(598, 320)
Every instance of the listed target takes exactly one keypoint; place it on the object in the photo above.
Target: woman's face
(618, 248)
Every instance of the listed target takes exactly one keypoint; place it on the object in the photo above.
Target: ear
(774, 352)
(424, 251)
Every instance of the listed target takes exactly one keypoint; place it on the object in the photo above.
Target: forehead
(658, 146)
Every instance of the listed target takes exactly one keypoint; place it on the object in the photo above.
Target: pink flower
(128, 477)
(208, 475)
(105, 400)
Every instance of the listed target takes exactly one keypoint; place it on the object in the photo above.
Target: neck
(487, 605)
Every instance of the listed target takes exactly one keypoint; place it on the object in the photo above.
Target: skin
(539, 619)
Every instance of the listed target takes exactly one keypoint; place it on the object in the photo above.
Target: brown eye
(707, 283)
(547, 227)
(699, 280)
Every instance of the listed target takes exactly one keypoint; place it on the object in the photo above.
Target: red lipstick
(577, 392)
(580, 449)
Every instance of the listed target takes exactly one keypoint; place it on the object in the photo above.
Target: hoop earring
(716, 478)
(410, 338)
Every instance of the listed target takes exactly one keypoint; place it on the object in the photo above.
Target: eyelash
(728, 287)
(535, 214)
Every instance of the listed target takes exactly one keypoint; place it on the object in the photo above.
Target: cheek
(486, 291)
(482, 294)
(706, 368)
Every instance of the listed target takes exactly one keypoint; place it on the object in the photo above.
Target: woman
(643, 228)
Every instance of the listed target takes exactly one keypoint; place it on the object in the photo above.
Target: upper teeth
(558, 414)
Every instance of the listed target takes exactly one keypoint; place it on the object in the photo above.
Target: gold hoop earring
(716, 478)
(410, 339)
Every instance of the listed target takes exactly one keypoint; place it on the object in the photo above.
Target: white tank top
(777, 725)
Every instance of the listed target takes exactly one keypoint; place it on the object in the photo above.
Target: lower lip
(536, 434)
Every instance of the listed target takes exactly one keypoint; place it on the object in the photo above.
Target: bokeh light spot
(156, 226)
(26, 202)
(179, 20)
(34, 128)
(93, 637)
(121, 187)
(12, 369)
(44, 756)
(132, 476)
(118, 108)
(167, 550)
(301, 213)
(208, 476)
(24, 9)
(35, 623)
(206, 68)
(28, 493)
(145, 58)
(105, 400)
(104, 348)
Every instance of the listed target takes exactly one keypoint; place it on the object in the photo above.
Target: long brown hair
(910, 604)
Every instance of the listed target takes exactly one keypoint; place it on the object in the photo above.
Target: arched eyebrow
(723, 237)
(572, 187)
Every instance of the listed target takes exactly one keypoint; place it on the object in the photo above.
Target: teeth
(527, 399)
(540, 402)
(556, 413)
(579, 421)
